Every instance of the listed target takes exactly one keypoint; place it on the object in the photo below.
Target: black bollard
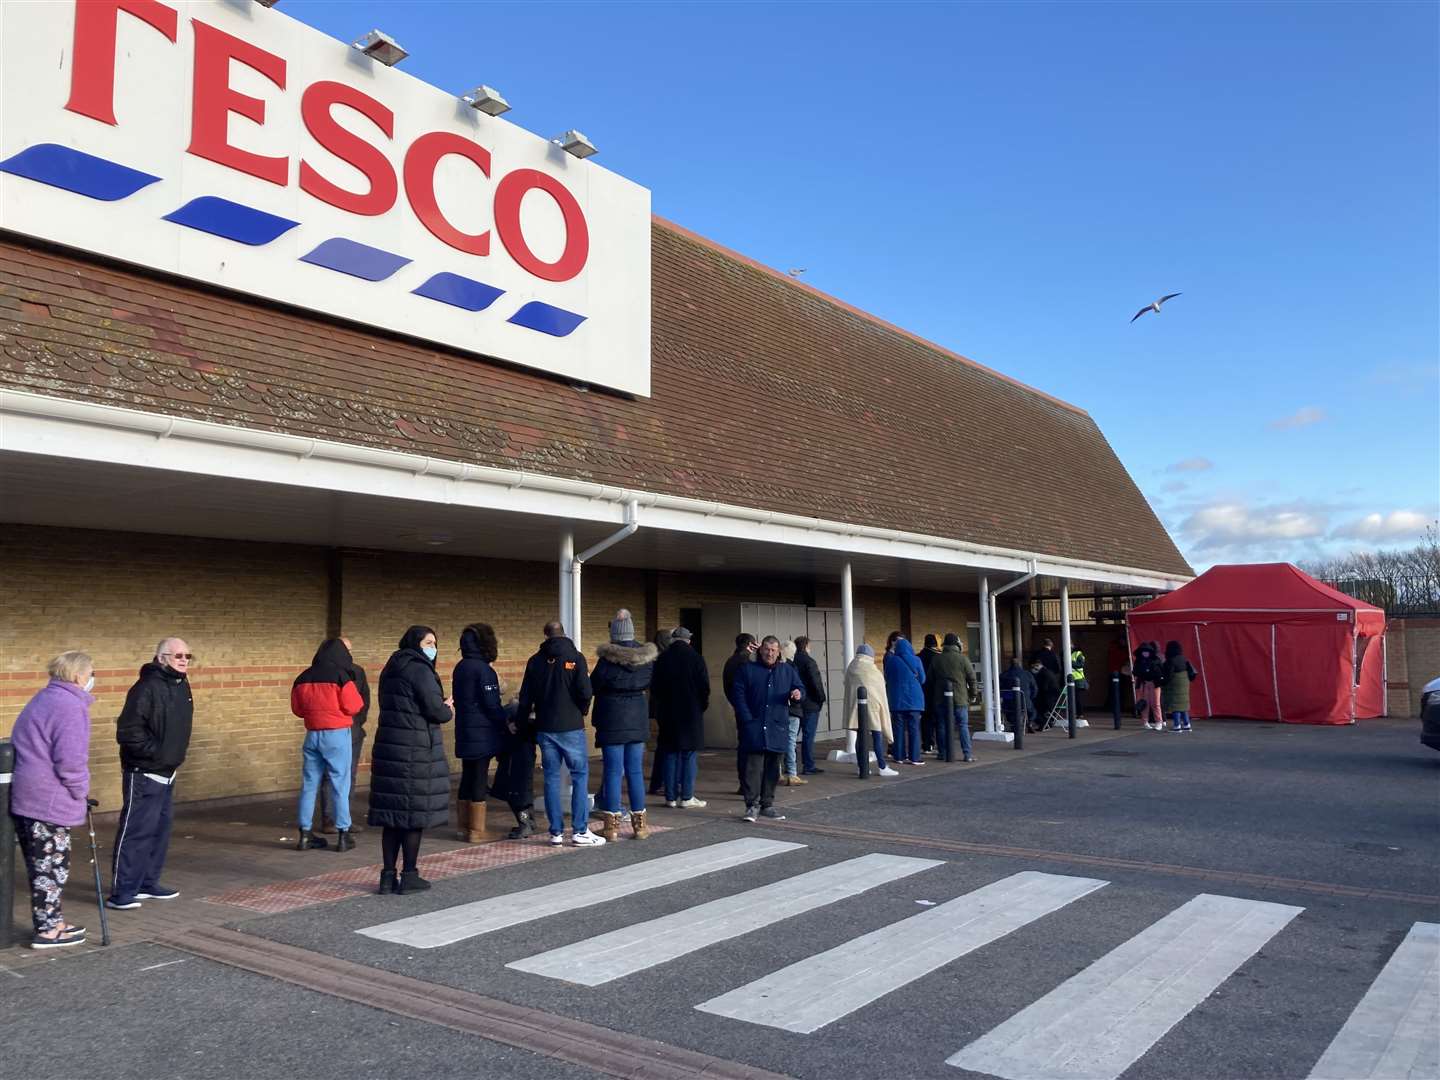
(862, 736)
(1115, 698)
(1019, 723)
(7, 847)
(1070, 703)
(946, 722)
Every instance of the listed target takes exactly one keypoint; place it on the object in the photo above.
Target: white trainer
(889, 772)
(693, 803)
(586, 838)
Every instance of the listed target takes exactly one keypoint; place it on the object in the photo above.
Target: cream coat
(863, 672)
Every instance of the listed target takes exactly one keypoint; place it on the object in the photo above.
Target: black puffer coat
(480, 719)
(410, 778)
(681, 692)
(621, 677)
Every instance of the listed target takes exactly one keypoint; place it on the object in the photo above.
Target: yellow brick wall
(252, 614)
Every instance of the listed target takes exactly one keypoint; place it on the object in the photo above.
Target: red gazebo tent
(1272, 643)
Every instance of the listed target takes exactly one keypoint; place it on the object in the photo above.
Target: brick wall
(1412, 660)
(252, 613)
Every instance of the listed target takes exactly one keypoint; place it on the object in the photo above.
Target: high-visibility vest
(1077, 665)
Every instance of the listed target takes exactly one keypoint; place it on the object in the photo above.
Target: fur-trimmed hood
(630, 656)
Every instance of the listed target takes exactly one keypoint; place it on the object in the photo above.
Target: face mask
(90, 684)
(430, 652)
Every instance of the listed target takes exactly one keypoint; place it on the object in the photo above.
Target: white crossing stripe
(496, 913)
(1395, 1030)
(1097, 1024)
(634, 948)
(807, 995)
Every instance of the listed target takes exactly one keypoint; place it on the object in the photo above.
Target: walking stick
(90, 804)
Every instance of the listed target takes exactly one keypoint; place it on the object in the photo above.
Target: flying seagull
(1155, 307)
(796, 271)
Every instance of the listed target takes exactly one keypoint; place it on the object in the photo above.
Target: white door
(827, 646)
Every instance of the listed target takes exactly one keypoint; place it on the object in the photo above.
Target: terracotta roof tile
(766, 393)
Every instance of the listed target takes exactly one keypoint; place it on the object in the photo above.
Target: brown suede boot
(476, 832)
(609, 826)
(637, 824)
(462, 819)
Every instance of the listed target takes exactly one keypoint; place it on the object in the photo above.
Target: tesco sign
(226, 142)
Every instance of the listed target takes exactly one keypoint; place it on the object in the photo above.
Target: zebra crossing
(1092, 1026)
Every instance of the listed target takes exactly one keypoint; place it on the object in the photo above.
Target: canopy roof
(1254, 592)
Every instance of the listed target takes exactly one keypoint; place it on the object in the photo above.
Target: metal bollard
(1070, 703)
(946, 723)
(862, 736)
(7, 847)
(1019, 719)
(1115, 698)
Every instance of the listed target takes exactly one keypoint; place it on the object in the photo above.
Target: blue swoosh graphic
(557, 322)
(221, 217)
(461, 292)
(356, 259)
(85, 174)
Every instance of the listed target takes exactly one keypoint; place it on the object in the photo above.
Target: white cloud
(1175, 486)
(1396, 525)
(1235, 527)
(1194, 464)
(1303, 417)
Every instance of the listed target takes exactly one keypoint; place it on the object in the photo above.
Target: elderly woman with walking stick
(47, 798)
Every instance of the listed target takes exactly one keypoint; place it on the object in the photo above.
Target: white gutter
(632, 523)
(602, 502)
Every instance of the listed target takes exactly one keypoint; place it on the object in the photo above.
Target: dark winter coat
(622, 675)
(904, 678)
(1146, 668)
(952, 664)
(761, 697)
(1176, 675)
(154, 726)
(557, 686)
(680, 690)
(810, 681)
(1047, 690)
(362, 687)
(409, 776)
(481, 722)
(738, 659)
(324, 695)
(1050, 661)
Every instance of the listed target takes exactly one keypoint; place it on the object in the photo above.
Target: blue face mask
(430, 652)
(90, 684)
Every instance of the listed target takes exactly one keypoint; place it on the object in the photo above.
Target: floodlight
(575, 144)
(487, 99)
(382, 47)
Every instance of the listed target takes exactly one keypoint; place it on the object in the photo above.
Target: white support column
(1065, 646)
(567, 574)
(990, 661)
(847, 633)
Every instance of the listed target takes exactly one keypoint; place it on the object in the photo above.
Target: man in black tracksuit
(154, 734)
(745, 648)
(557, 687)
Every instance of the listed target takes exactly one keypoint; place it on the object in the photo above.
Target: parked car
(1430, 714)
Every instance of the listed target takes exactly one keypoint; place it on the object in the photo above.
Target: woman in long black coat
(680, 690)
(482, 728)
(409, 776)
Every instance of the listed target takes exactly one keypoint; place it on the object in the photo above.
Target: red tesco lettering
(214, 101)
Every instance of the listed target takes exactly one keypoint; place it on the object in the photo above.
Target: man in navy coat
(762, 694)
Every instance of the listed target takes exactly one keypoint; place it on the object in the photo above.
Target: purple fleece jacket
(52, 755)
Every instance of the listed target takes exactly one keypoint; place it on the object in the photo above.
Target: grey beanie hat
(865, 650)
(681, 634)
(622, 627)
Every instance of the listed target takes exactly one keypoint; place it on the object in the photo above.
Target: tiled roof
(765, 393)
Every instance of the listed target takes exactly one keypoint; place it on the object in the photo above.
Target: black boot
(310, 842)
(411, 881)
(524, 825)
(344, 841)
(388, 884)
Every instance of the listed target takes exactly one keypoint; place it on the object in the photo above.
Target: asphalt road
(1357, 807)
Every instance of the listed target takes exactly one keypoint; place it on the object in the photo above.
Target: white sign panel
(227, 142)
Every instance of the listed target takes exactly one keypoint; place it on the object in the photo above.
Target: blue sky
(1014, 181)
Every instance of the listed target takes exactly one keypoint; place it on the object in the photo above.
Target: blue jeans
(680, 769)
(565, 749)
(878, 738)
(325, 754)
(907, 736)
(962, 725)
(627, 759)
(1181, 720)
(790, 746)
(808, 727)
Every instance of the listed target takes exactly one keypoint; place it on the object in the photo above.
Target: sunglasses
(179, 655)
